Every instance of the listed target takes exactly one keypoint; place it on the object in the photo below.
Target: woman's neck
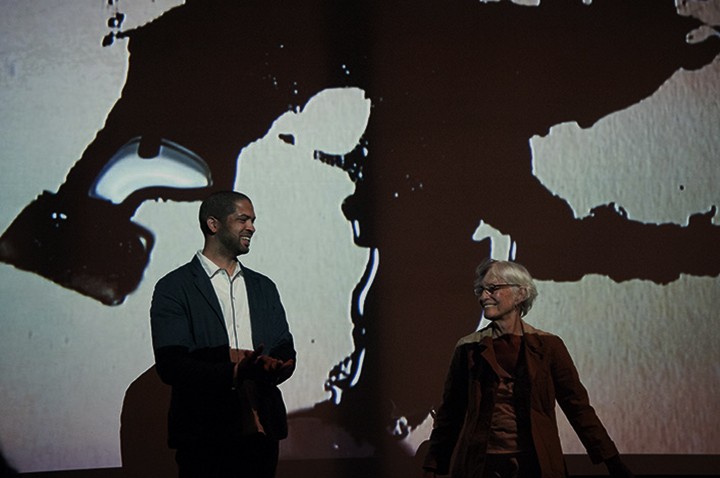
(508, 324)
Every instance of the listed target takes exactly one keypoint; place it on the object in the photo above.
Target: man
(221, 340)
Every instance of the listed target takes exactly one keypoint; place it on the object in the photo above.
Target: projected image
(388, 149)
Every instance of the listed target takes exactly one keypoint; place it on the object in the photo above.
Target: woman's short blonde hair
(511, 273)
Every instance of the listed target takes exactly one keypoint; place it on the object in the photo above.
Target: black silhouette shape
(143, 429)
(457, 91)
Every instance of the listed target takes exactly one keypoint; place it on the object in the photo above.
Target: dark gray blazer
(192, 354)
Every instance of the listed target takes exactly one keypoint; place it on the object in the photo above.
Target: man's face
(235, 231)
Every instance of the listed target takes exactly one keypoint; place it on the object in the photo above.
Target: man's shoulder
(185, 271)
(252, 274)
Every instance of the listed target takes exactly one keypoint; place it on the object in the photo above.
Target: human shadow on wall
(143, 429)
(456, 92)
(145, 452)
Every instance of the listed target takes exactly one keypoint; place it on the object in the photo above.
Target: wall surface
(387, 149)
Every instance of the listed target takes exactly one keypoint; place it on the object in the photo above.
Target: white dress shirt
(232, 295)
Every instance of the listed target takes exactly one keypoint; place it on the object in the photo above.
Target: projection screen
(388, 147)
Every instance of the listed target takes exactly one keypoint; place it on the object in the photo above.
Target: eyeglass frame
(492, 288)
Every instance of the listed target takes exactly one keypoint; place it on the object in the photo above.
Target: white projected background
(648, 354)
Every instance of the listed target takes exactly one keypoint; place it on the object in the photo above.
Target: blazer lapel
(487, 352)
(251, 288)
(534, 353)
(203, 284)
(254, 305)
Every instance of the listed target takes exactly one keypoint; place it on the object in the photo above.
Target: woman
(497, 418)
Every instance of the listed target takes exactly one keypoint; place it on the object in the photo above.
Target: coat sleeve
(572, 396)
(173, 343)
(450, 415)
(283, 345)
(273, 324)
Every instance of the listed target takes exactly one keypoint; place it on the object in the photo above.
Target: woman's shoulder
(530, 329)
(475, 337)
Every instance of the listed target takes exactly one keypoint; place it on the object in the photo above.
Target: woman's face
(498, 298)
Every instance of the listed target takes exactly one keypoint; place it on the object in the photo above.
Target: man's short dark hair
(219, 205)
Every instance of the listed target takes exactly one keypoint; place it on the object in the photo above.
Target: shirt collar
(501, 327)
(211, 269)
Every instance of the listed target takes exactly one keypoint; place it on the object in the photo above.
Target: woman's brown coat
(462, 424)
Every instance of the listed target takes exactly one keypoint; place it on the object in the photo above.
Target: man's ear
(212, 224)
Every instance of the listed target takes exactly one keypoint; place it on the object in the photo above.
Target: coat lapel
(251, 288)
(534, 350)
(487, 352)
(203, 284)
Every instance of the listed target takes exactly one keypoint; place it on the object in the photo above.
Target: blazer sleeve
(179, 361)
(269, 320)
(572, 396)
(450, 415)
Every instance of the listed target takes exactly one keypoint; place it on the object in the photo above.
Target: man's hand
(238, 355)
(252, 364)
(284, 371)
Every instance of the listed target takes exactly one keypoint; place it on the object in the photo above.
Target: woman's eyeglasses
(492, 288)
